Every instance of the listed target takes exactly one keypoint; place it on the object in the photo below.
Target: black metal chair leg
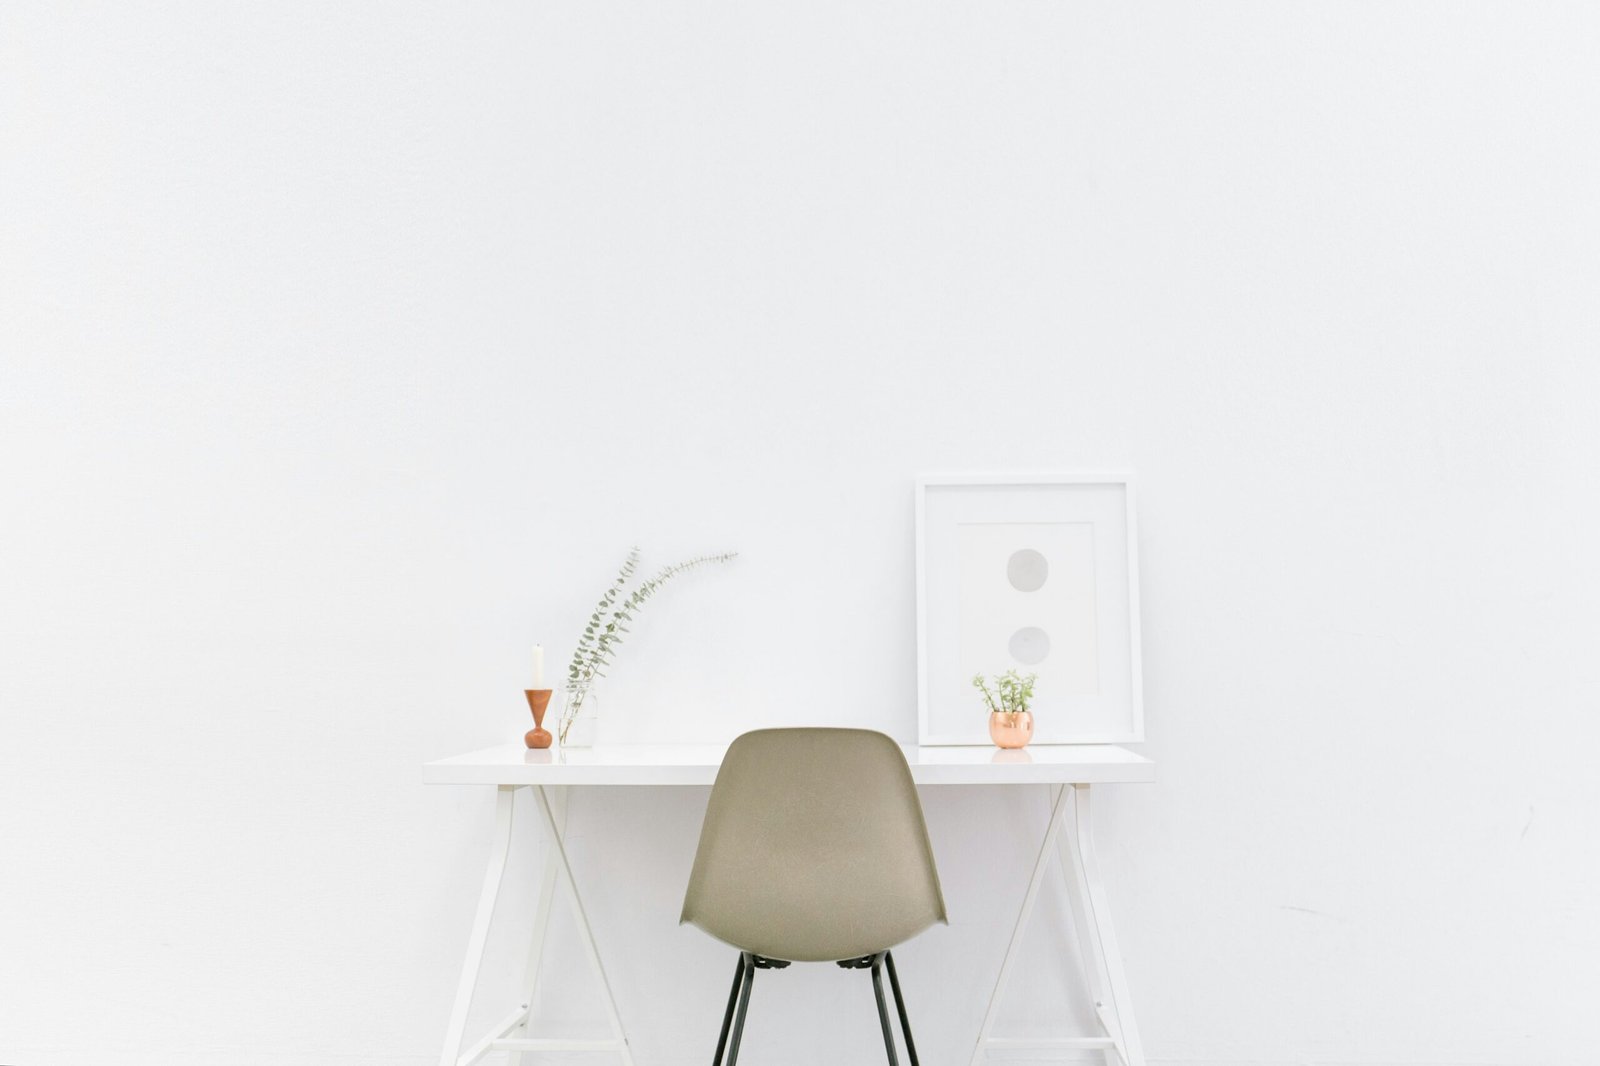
(727, 1015)
(744, 1004)
(883, 1009)
(900, 1005)
(744, 973)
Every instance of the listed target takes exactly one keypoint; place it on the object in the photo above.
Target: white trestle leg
(551, 807)
(541, 923)
(1070, 828)
(1095, 931)
(1028, 899)
(499, 846)
(563, 867)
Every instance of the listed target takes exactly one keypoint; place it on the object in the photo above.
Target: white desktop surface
(697, 764)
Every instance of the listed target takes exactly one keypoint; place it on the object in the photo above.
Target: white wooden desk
(1067, 771)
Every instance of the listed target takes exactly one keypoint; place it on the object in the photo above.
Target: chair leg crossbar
(744, 973)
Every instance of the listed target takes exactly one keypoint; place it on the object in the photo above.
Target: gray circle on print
(1030, 646)
(1027, 570)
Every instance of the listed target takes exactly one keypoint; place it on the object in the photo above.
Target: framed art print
(1033, 573)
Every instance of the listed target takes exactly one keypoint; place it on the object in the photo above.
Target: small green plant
(1015, 691)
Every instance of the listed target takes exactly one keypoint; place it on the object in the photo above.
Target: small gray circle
(1027, 570)
(1030, 645)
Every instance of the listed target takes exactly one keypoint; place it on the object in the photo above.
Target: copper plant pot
(1011, 729)
(538, 703)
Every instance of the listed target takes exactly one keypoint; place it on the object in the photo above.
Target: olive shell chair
(813, 850)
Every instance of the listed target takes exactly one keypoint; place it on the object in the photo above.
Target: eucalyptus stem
(608, 625)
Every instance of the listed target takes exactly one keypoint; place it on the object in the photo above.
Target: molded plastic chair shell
(814, 848)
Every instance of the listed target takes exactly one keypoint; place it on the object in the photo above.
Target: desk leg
(499, 846)
(1071, 826)
(1028, 898)
(563, 869)
(1098, 939)
(541, 920)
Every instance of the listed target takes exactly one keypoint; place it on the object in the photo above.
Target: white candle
(538, 666)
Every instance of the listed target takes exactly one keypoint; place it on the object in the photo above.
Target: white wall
(346, 348)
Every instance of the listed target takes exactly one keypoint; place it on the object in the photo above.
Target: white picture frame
(988, 545)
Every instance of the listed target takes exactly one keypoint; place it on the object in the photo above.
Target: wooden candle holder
(538, 703)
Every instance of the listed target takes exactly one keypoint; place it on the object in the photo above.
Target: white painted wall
(346, 348)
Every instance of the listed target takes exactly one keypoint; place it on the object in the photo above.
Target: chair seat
(805, 936)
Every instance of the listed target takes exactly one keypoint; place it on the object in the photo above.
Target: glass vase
(580, 716)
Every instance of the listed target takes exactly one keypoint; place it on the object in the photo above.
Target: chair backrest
(814, 848)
